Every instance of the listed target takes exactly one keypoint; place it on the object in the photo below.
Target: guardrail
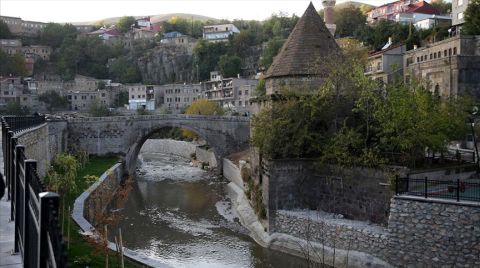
(459, 190)
(38, 236)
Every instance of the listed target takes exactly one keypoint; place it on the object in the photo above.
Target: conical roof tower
(303, 59)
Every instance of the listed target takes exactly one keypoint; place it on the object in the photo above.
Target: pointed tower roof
(308, 47)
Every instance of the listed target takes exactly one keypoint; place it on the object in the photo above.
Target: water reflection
(181, 215)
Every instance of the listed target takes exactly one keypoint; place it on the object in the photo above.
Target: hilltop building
(403, 11)
(219, 33)
(108, 34)
(303, 61)
(17, 26)
(450, 66)
(433, 21)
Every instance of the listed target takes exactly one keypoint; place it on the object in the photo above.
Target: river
(182, 216)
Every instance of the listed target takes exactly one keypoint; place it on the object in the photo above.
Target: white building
(139, 97)
(432, 21)
(219, 33)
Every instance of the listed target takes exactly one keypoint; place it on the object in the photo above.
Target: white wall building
(219, 33)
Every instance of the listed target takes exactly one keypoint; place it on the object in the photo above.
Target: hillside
(153, 18)
(351, 3)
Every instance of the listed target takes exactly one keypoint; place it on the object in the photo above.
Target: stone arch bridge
(126, 134)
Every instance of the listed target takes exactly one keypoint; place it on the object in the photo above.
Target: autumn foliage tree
(201, 107)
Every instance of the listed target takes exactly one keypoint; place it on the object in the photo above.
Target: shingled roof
(308, 47)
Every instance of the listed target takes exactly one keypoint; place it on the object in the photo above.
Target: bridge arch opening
(167, 132)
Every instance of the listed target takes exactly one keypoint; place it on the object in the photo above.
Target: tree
(14, 108)
(4, 30)
(272, 47)
(101, 85)
(260, 90)
(124, 71)
(348, 20)
(472, 18)
(98, 109)
(53, 100)
(61, 177)
(443, 6)
(207, 56)
(121, 99)
(124, 23)
(230, 66)
(55, 34)
(201, 107)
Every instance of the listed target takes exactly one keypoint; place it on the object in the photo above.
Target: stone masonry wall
(334, 232)
(420, 233)
(180, 148)
(232, 172)
(360, 194)
(102, 192)
(35, 141)
(433, 234)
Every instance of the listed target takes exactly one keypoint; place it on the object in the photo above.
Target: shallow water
(181, 216)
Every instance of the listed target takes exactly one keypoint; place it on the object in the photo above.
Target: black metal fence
(37, 233)
(459, 190)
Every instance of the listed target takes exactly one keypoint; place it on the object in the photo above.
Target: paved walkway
(6, 229)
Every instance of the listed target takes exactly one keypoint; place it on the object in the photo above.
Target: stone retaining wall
(95, 200)
(232, 173)
(181, 148)
(36, 143)
(433, 233)
(334, 233)
(102, 192)
(43, 143)
(357, 193)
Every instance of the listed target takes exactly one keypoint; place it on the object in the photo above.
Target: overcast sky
(92, 10)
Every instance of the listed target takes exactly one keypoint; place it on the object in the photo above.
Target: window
(246, 92)
(75, 97)
(103, 94)
(431, 56)
(445, 53)
(455, 51)
(460, 2)
(439, 54)
(240, 92)
(460, 15)
(133, 97)
(449, 52)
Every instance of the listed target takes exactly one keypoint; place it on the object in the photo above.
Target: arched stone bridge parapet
(126, 134)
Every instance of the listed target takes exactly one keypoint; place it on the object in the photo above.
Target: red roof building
(404, 11)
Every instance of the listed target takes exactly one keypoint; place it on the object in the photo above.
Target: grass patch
(82, 253)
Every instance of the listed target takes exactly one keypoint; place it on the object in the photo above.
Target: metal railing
(37, 233)
(20, 123)
(459, 190)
